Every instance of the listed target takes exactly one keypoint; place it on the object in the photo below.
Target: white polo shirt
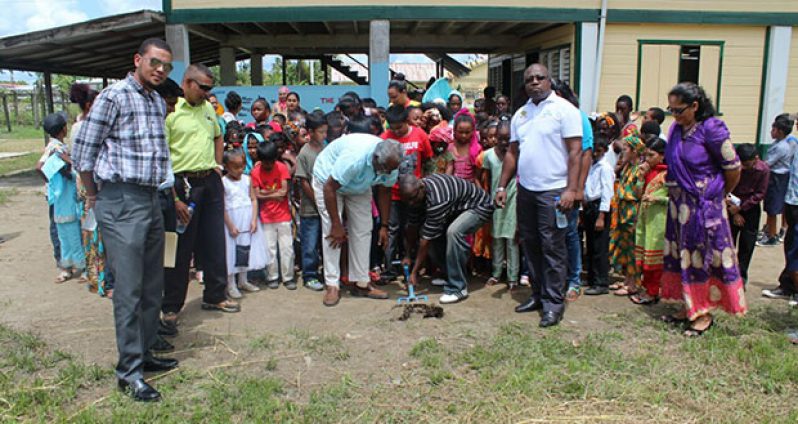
(540, 130)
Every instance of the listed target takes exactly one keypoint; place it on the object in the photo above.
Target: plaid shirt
(122, 138)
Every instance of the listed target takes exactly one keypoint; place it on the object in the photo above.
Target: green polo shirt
(190, 131)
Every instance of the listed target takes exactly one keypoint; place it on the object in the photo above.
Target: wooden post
(34, 110)
(15, 102)
(5, 112)
(284, 71)
(48, 89)
(43, 104)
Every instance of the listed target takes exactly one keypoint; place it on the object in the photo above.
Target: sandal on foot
(624, 292)
(492, 281)
(63, 277)
(638, 299)
(616, 286)
(572, 295)
(694, 332)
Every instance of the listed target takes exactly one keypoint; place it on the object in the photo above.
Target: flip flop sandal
(624, 292)
(492, 281)
(63, 277)
(572, 295)
(694, 332)
(640, 300)
(616, 286)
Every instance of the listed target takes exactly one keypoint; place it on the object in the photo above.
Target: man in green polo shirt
(195, 144)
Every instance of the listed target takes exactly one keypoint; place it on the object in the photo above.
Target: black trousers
(790, 250)
(745, 238)
(597, 261)
(544, 246)
(204, 238)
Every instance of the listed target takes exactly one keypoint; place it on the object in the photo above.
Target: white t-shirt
(540, 131)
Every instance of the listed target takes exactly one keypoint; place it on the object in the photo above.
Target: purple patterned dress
(700, 263)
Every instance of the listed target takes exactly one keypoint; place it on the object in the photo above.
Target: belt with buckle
(195, 174)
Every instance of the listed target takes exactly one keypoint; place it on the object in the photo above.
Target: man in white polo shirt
(545, 148)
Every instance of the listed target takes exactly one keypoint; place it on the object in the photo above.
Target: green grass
(21, 132)
(743, 370)
(19, 163)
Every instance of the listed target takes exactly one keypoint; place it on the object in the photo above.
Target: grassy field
(21, 132)
(19, 163)
(742, 371)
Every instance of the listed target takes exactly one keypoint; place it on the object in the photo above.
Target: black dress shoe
(530, 305)
(596, 290)
(139, 390)
(161, 345)
(159, 364)
(165, 329)
(550, 319)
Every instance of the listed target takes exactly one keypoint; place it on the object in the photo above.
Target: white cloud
(52, 14)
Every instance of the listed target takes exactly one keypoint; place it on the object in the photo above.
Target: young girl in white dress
(241, 224)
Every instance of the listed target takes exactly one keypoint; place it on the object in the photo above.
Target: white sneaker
(438, 282)
(247, 286)
(793, 301)
(233, 292)
(525, 281)
(452, 298)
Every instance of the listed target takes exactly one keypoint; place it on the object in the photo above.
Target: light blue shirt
(780, 154)
(587, 132)
(348, 160)
(791, 198)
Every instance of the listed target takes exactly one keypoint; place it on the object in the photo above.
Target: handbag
(242, 254)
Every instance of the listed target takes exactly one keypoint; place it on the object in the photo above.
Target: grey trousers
(451, 252)
(130, 220)
(544, 245)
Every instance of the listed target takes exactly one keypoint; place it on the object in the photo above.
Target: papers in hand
(52, 165)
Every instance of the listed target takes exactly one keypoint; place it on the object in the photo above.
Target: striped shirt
(122, 139)
(446, 197)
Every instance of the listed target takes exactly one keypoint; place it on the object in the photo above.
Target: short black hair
(156, 42)
(262, 100)
(651, 127)
(169, 89)
(658, 114)
(333, 119)
(600, 142)
(746, 151)
(626, 99)
(267, 151)
(655, 143)
(359, 125)
(314, 121)
(232, 101)
(784, 123)
(232, 154)
(369, 102)
(396, 114)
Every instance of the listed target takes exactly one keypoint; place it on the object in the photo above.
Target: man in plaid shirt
(122, 156)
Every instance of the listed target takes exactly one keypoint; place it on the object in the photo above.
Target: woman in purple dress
(700, 264)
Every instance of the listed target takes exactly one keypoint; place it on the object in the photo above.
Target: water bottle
(89, 222)
(181, 227)
(562, 218)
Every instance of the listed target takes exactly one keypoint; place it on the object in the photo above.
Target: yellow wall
(791, 96)
(741, 75)
(560, 36)
(675, 5)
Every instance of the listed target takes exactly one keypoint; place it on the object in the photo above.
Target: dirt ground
(70, 318)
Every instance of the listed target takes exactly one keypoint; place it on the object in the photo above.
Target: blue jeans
(451, 251)
(309, 237)
(573, 244)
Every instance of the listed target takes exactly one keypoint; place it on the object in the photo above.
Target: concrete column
(227, 65)
(586, 86)
(777, 61)
(256, 68)
(177, 38)
(379, 60)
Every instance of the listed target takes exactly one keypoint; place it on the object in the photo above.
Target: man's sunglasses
(157, 63)
(202, 87)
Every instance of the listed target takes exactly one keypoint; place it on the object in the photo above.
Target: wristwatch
(499, 189)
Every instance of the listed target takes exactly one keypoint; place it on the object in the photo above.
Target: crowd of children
(271, 216)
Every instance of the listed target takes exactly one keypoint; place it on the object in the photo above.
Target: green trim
(759, 123)
(642, 42)
(468, 13)
(701, 17)
(577, 60)
(363, 13)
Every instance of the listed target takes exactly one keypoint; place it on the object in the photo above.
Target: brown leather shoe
(369, 291)
(229, 306)
(331, 296)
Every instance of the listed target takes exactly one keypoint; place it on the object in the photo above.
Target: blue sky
(20, 16)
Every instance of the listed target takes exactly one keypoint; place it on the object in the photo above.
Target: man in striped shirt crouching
(447, 209)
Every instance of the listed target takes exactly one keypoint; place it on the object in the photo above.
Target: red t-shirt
(417, 149)
(272, 211)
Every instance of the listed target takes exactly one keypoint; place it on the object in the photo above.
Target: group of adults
(124, 160)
